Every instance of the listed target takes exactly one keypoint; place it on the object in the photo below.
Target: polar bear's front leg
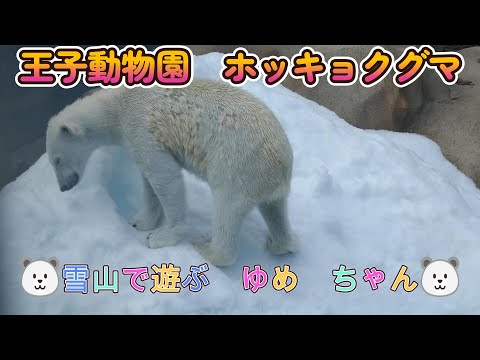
(229, 211)
(167, 183)
(151, 213)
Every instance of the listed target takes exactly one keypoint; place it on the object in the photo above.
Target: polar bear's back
(211, 126)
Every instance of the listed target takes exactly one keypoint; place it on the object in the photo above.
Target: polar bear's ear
(454, 262)
(53, 261)
(89, 92)
(426, 261)
(26, 262)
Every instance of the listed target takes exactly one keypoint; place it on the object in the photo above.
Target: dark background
(25, 114)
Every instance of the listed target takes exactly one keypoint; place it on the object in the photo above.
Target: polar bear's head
(440, 277)
(39, 277)
(68, 145)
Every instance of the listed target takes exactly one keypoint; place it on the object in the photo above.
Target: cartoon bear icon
(39, 277)
(440, 277)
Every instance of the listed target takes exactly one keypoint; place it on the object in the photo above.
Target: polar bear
(39, 277)
(222, 134)
(440, 277)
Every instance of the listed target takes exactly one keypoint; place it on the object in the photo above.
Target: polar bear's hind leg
(281, 239)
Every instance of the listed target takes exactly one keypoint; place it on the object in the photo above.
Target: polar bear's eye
(45, 276)
(57, 161)
(34, 276)
(445, 276)
(434, 276)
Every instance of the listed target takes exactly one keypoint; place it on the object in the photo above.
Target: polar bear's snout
(70, 182)
(67, 177)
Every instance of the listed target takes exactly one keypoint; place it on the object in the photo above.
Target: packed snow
(359, 198)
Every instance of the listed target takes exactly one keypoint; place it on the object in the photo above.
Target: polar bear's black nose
(72, 181)
(439, 281)
(39, 281)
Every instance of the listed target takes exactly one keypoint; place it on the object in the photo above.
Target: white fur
(224, 135)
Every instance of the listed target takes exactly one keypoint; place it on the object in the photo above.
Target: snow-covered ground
(359, 198)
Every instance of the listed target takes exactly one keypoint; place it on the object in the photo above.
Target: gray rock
(454, 122)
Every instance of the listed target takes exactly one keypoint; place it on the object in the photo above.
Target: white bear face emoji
(440, 277)
(40, 277)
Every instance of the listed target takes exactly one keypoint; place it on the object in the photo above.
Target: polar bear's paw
(284, 246)
(214, 255)
(165, 236)
(146, 220)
